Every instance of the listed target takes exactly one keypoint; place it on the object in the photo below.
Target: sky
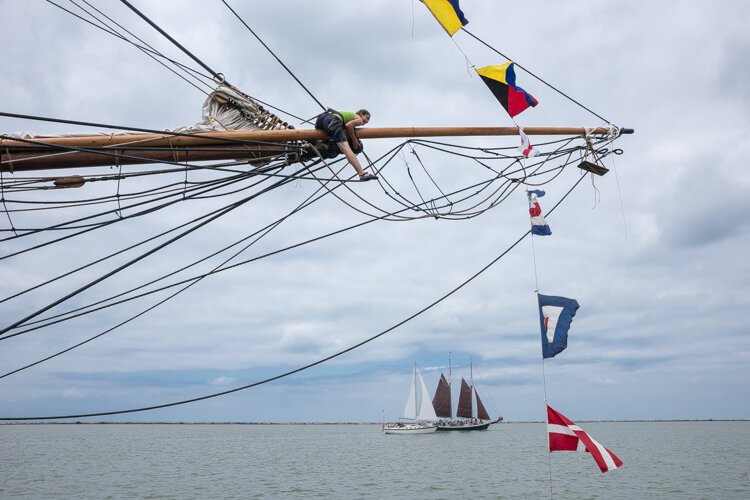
(654, 251)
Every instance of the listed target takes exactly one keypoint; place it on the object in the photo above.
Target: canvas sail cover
(464, 401)
(442, 400)
(227, 108)
(481, 410)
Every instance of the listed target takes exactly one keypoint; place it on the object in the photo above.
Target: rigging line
(426, 209)
(535, 76)
(152, 194)
(416, 155)
(502, 193)
(187, 69)
(116, 220)
(309, 365)
(286, 180)
(383, 180)
(406, 203)
(274, 55)
(110, 31)
(485, 185)
(484, 149)
(64, 204)
(150, 53)
(534, 172)
(131, 262)
(40, 205)
(98, 261)
(386, 212)
(435, 146)
(217, 76)
(193, 72)
(213, 186)
(190, 282)
(290, 179)
(248, 261)
(416, 188)
(216, 270)
(213, 167)
(398, 197)
(356, 195)
(265, 231)
(510, 186)
(351, 190)
(5, 205)
(282, 146)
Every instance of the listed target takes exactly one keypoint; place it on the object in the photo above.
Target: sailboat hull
(467, 426)
(409, 429)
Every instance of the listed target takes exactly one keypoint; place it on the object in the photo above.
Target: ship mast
(450, 385)
(471, 381)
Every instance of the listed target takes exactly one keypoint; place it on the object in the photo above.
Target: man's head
(364, 114)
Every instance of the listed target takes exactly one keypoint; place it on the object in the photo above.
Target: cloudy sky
(654, 251)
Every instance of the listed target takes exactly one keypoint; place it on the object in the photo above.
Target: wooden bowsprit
(67, 152)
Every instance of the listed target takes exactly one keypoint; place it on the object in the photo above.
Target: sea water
(682, 460)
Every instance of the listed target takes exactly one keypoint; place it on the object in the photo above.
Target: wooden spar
(18, 155)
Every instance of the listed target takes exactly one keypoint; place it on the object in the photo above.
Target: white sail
(426, 410)
(410, 409)
(418, 408)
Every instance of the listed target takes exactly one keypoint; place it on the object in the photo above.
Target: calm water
(662, 460)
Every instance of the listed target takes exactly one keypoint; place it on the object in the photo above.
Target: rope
(147, 49)
(274, 55)
(123, 266)
(217, 76)
(113, 254)
(309, 365)
(535, 76)
(116, 127)
(154, 306)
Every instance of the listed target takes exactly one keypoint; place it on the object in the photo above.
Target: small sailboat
(466, 418)
(419, 415)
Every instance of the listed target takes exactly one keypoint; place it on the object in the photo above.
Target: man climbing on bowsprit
(339, 125)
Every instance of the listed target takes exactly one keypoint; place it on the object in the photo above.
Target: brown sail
(442, 400)
(464, 401)
(481, 410)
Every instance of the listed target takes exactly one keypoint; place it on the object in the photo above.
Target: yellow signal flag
(448, 14)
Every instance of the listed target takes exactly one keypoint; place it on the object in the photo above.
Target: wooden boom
(47, 153)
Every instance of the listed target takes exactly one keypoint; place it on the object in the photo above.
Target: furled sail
(464, 401)
(227, 108)
(442, 400)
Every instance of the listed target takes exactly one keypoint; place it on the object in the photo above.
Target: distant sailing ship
(466, 419)
(419, 415)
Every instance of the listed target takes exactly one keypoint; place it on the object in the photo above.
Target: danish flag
(565, 435)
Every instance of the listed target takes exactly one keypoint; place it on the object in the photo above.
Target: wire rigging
(414, 202)
(534, 75)
(315, 363)
(145, 48)
(274, 55)
(217, 76)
